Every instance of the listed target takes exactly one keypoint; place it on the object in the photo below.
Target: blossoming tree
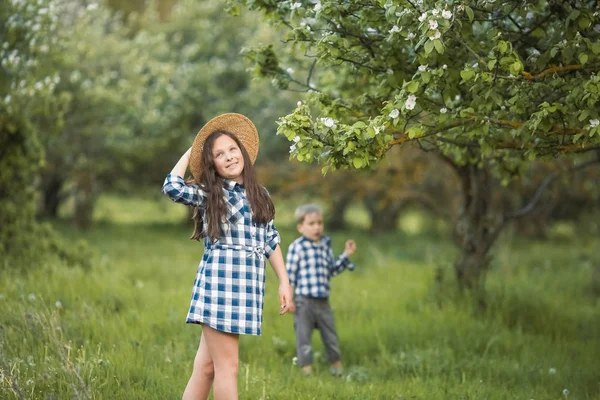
(28, 52)
(486, 84)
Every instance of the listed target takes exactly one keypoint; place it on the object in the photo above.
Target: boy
(310, 264)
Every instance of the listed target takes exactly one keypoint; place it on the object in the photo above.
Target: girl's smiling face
(228, 159)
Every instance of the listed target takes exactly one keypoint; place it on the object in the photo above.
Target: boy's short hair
(306, 209)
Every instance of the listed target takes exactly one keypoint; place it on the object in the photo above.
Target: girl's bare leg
(203, 374)
(224, 351)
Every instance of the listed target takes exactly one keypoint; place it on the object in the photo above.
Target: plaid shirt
(311, 265)
(228, 291)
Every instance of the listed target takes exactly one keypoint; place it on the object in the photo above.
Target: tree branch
(540, 190)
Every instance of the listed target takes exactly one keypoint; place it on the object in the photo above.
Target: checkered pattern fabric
(311, 264)
(229, 287)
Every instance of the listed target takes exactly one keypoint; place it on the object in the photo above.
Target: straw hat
(236, 124)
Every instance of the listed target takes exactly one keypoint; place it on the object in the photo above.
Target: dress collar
(232, 185)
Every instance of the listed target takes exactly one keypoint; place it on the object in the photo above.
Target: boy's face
(312, 226)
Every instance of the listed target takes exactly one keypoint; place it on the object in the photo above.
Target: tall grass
(117, 331)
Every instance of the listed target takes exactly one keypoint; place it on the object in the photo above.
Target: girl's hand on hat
(187, 153)
(350, 247)
(286, 304)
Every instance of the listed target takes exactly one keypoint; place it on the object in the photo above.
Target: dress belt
(250, 250)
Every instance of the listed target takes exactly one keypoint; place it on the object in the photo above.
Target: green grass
(117, 331)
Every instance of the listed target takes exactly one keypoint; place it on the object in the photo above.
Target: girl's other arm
(285, 290)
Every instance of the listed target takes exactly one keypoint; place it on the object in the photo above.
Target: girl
(234, 217)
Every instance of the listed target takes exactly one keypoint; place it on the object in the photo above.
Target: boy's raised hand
(350, 247)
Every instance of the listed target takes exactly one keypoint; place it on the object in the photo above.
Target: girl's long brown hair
(210, 182)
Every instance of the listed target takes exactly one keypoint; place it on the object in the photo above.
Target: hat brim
(236, 124)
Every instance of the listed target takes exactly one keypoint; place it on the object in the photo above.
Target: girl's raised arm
(181, 166)
(175, 187)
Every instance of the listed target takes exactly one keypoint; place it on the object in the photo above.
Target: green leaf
(467, 74)
(574, 14)
(584, 23)
(470, 13)
(516, 68)
(439, 46)
(596, 48)
(428, 47)
(491, 64)
(583, 58)
(502, 47)
(583, 115)
(413, 86)
(357, 162)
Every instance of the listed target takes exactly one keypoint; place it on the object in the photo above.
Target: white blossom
(435, 36)
(594, 122)
(422, 68)
(390, 72)
(394, 29)
(296, 139)
(394, 114)
(317, 6)
(290, 70)
(299, 104)
(435, 12)
(423, 17)
(411, 36)
(58, 304)
(433, 24)
(329, 122)
(292, 148)
(411, 101)
(296, 5)
(445, 66)
(443, 110)
(446, 14)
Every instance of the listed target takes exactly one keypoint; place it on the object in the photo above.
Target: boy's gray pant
(313, 313)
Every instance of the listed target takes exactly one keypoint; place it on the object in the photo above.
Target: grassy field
(117, 331)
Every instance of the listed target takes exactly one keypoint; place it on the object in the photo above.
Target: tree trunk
(51, 198)
(335, 216)
(384, 218)
(476, 229)
(85, 199)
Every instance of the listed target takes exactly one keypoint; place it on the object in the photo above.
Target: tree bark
(335, 216)
(476, 229)
(51, 198)
(384, 218)
(85, 199)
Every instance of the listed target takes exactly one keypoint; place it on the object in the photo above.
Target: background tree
(486, 85)
(30, 108)
(141, 86)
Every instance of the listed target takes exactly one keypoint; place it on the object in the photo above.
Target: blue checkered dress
(229, 288)
(310, 265)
